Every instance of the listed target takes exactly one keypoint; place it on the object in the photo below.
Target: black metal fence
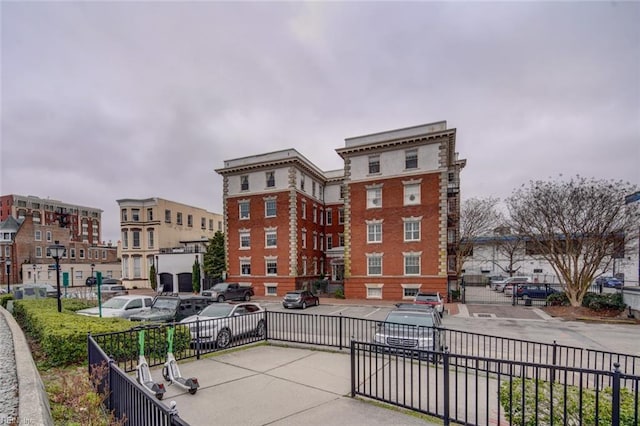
(459, 389)
(535, 294)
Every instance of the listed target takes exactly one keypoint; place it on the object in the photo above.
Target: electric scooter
(143, 374)
(171, 372)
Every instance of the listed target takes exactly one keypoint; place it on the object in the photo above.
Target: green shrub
(603, 302)
(537, 408)
(338, 294)
(558, 299)
(4, 299)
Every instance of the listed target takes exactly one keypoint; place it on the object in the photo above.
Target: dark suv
(411, 328)
(172, 308)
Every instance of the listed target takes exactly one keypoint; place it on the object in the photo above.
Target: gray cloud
(110, 100)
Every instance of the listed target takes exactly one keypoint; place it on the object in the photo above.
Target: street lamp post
(57, 251)
(93, 265)
(8, 266)
(34, 272)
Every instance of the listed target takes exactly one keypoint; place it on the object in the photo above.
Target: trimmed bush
(558, 299)
(4, 299)
(604, 302)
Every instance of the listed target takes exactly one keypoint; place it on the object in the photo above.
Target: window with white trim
(244, 183)
(329, 242)
(135, 215)
(374, 291)
(137, 267)
(321, 216)
(374, 231)
(125, 239)
(38, 235)
(49, 238)
(304, 238)
(38, 251)
(271, 179)
(136, 238)
(329, 217)
(374, 197)
(411, 159)
(270, 289)
(315, 240)
(304, 265)
(150, 239)
(374, 264)
(271, 266)
(313, 188)
(179, 218)
(271, 239)
(304, 209)
(270, 207)
(245, 240)
(411, 229)
(341, 216)
(411, 194)
(374, 164)
(315, 214)
(243, 208)
(411, 263)
(410, 291)
(302, 182)
(340, 240)
(245, 266)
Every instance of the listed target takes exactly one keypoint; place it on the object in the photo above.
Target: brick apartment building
(384, 226)
(30, 224)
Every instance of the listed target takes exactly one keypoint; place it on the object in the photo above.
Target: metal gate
(533, 294)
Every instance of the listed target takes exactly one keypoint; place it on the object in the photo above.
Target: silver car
(121, 307)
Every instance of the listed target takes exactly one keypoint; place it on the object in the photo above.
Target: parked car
(107, 291)
(495, 279)
(534, 291)
(500, 287)
(410, 328)
(432, 299)
(220, 323)
(609, 282)
(229, 291)
(120, 306)
(300, 299)
(34, 291)
(173, 308)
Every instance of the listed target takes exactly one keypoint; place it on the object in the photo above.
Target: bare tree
(478, 217)
(578, 226)
(511, 246)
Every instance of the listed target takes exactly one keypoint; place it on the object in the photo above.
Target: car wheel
(247, 297)
(260, 330)
(223, 339)
(304, 305)
(220, 299)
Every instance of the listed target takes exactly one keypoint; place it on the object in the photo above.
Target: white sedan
(220, 323)
(120, 306)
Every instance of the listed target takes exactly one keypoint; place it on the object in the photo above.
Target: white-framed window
(329, 242)
(411, 159)
(412, 263)
(210, 224)
(167, 216)
(374, 291)
(78, 274)
(271, 238)
(304, 209)
(243, 208)
(136, 238)
(271, 266)
(150, 214)
(137, 267)
(411, 194)
(125, 239)
(374, 197)
(410, 291)
(315, 266)
(73, 253)
(271, 179)
(49, 237)
(245, 266)
(244, 183)
(81, 253)
(374, 164)
(411, 229)
(38, 235)
(150, 239)
(341, 216)
(313, 188)
(38, 251)
(179, 218)
(374, 231)
(124, 215)
(315, 240)
(304, 265)
(374, 264)
(270, 289)
(190, 220)
(315, 214)
(104, 255)
(304, 238)
(203, 223)
(343, 191)
(302, 182)
(245, 240)
(321, 241)
(341, 240)
(135, 215)
(270, 207)
(329, 217)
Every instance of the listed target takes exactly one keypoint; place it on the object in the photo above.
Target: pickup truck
(172, 308)
(229, 291)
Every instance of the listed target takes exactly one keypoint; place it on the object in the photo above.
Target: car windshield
(165, 304)
(216, 311)
(427, 297)
(410, 318)
(115, 303)
(220, 287)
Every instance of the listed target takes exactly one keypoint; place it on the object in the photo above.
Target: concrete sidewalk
(273, 385)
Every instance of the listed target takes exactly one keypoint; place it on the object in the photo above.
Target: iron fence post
(340, 331)
(197, 337)
(554, 359)
(266, 325)
(353, 370)
(445, 385)
(615, 395)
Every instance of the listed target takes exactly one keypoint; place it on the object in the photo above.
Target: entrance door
(184, 283)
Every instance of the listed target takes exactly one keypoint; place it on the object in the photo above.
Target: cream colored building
(152, 226)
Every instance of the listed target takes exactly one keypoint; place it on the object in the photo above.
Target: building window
(411, 194)
(179, 218)
(270, 208)
(137, 267)
(340, 240)
(245, 266)
(304, 265)
(135, 215)
(271, 289)
(374, 291)
(411, 263)
(271, 239)
(125, 239)
(104, 255)
(304, 238)
(410, 291)
(124, 215)
(244, 183)
(304, 209)
(150, 242)
(190, 220)
(167, 216)
(150, 215)
(243, 206)
(321, 241)
(374, 164)
(136, 239)
(329, 242)
(73, 253)
(271, 180)
(38, 235)
(374, 231)
(49, 238)
(411, 159)
(315, 214)
(374, 197)
(81, 251)
(329, 217)
(203, 223)
(411, 229)
(313, 188)
(272, 266)
(315, 240)
(302, 182)
(210, 224)
(374, 264)
(321, 216)
(245, 240)
(343, 191)
(38, 251)
(340, 216)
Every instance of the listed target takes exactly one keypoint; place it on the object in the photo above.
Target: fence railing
(126, 399)
(459, 389)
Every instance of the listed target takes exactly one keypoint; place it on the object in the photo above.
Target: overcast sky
(109, 100)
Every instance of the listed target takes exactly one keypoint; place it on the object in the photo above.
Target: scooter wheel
(159, 395)
(193, 391)
(165, 374)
